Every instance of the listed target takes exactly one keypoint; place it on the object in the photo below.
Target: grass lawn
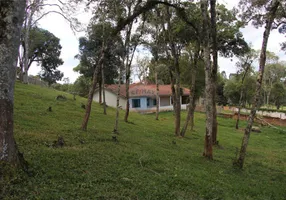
(148, 162)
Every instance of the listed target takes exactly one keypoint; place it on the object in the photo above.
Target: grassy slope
(145, 164)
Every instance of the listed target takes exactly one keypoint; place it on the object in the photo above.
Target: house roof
(136, 90)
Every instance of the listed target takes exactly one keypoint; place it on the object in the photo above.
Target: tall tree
(244, 68)
(214, 48)
(271, 8)
(194, 64)
(44, 49)
(35, 11)
(274, 72)
(278, 94)
(131, 43)
(208, 147)
(12, 14)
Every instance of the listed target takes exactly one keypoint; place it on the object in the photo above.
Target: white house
(142, 97)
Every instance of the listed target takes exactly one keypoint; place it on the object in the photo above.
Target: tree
(45, 49)
(35, 12)
(90, 49)
(193, 63)
(208, 152)
(51, 75)
(121, 23)
(274, 72)
(220, 96)
(12, 14)
(244, 67)
(81, 85)
(254, 8)
(278, 94)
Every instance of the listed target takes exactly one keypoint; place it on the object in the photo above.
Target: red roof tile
(136, 90)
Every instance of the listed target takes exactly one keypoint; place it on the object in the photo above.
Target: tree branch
(71, 25)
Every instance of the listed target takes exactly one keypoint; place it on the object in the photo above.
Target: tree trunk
(241, 93)
(103, 89)
(115, 130)
(127, 99)
(272, 12)
(157, 96)
(192, 95)
(267, 99)
(128, 66)
(28, 26)
(238, 116)
(208, 151)
(214, 67)
(148, 6)
(192, 121)
(100, 86)
(175, 78)
(12, 14)
(91, 90)
(177, 99)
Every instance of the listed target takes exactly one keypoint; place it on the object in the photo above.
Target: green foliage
(278, 94)
(220, 97)
(51, 76)
(230, 39)
(45, 49)
(233, 87)
(186, 67)
(90, 49)
(144, 164)
(81, 86)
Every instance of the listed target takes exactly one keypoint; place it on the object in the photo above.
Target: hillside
(147, 162)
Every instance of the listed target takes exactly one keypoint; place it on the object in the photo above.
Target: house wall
(164, 101)
(110, 99)
(151, 102)
(152, 108)
(143, 103)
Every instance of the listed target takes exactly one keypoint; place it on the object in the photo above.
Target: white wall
(263, 113)
(110, 99)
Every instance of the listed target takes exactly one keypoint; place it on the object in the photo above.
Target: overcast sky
(60, 28)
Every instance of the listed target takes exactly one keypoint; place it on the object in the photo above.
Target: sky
(69, 41)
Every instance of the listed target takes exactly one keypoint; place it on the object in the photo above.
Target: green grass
(144, 164)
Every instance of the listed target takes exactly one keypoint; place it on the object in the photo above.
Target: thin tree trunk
(192, 121)
(192, 95)
(272, 12)
(208, 150)
(148, 6)
(27, 39)
(177, 99)
(176, 90)
(127, 100)
(103, 89)
(91, 90)
(214, 67)
(157, 95)
(128, 74)
(128, 66)
(115, 130)
(100, 86)
(12, 14)
(238, 116)
(267, 99)
(240, 98)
